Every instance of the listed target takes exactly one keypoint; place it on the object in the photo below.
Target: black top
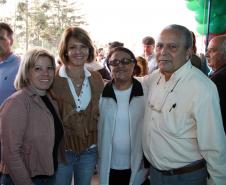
(137, 90)
(58, 130)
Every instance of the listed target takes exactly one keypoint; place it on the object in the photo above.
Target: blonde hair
(29, 60)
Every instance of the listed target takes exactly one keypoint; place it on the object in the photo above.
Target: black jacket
(219, 78)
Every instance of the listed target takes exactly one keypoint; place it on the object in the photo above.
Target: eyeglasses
(124, 61)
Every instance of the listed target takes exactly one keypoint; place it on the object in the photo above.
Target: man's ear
(189, 53)
(11, 41)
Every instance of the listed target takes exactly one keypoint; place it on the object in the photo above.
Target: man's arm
(210, 135)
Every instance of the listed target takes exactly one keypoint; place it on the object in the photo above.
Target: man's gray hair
(185, 33)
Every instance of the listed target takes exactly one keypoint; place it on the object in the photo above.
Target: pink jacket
(27, 136)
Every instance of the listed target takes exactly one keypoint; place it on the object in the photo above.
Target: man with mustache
(183, 135)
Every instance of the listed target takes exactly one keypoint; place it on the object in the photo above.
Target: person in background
(9, 62)
(148, 53)
(112, 45)
(97, 65)
(141, 69)
(216, 56)
(196, 61)
(31, 129)
(77, 91)
(183, 134)
(120, 123)
(100, 55)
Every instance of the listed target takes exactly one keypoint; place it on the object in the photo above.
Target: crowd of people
(157, 119)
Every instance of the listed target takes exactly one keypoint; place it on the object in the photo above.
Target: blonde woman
(31, 130)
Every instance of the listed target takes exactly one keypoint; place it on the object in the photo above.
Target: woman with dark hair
(77, 91)
(120, 123)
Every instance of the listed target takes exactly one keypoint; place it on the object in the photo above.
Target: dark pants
(119, 177)
(40, 180)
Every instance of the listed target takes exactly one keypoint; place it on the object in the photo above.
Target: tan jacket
(27, 136)
(80, 128)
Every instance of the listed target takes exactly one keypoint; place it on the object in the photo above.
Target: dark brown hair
(5, 26)
(148, 40)
(123, 49)
(79, 34)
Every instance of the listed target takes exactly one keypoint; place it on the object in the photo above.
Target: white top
(81, 101)
(183, 123)
(121, 150)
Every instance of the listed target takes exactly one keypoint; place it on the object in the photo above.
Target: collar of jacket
(137, 90)
(31, 91)
(218, 70)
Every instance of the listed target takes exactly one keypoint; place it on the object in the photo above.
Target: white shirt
(121, 150)
(183, 123)
(81, 101)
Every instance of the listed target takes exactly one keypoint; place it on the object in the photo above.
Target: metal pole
(208, 23)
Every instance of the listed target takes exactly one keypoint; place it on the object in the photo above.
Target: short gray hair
(185, 33)
(29, 60)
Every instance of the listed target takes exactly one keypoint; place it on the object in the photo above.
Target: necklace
(77, 85)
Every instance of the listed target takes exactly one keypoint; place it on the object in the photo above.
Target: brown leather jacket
(27, 137)
(80, 128)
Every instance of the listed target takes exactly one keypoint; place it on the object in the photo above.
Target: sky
(129, 21)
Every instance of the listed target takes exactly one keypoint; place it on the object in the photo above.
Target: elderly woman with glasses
(120, 123)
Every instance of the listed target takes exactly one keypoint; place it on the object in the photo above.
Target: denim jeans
(82, 165)
(6, 180)
(198, 177)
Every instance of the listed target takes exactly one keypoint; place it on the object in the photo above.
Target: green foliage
(41, 23)
(2, 2)
(217, 17)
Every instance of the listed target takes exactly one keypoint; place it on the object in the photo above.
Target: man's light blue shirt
(8, 71)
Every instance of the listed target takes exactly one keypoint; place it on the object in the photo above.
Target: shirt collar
(62, 72)
(181, 72)
(137, 90)
(221, 69)
(10, 58)
(31, 90)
